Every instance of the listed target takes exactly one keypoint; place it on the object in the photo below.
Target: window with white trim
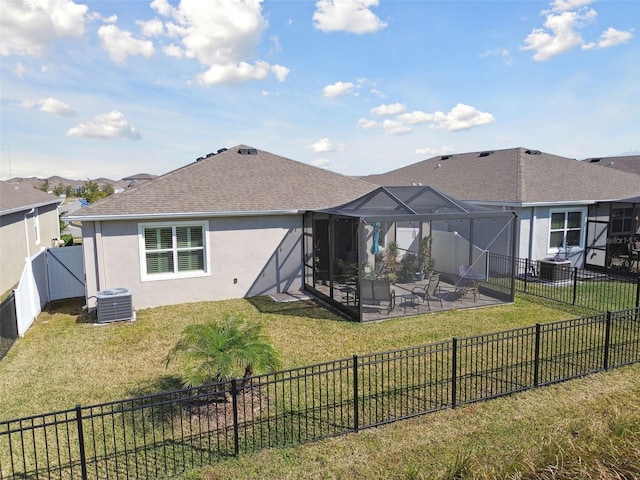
(565, 229)
(173, 250)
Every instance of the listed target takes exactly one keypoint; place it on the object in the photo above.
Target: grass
(64, 360)
(587, 428)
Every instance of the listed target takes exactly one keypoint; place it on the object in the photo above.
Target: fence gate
(65, 272)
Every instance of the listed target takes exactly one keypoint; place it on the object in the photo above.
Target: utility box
(555, 270)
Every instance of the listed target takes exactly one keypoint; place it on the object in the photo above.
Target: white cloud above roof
(354, 16)
(106, 126)
(28, 28)
(324, 145)
(560, 33)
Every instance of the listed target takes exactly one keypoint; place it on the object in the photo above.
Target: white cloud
(610, 38)
(28, 27)
(106, 126)
(563, 36)
(461, 117)
(50, 105)
(324, 145)
(395, 127)
(173, 51)
(337, 89)
(560, 33)
(238, 73)
(392, 109)
(151, 28)
(367, 124)
(415, 117)
(352, 16)
(222, 35)
(120, 44)
(434, 151)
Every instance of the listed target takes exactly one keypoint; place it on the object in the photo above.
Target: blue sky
(115, 88)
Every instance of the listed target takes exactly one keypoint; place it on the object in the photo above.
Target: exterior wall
(534, 234)
(248, 256)
(18, 240)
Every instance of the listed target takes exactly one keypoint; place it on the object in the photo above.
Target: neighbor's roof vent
(595, 160)
(485, 154)
(248, 151)
(445, 157)
(533, 152)
(222, 150)
(199, 158)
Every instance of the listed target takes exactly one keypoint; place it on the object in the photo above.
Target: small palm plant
(217, 352)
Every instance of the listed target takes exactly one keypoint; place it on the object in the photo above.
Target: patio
(407, 306)
(366, 257)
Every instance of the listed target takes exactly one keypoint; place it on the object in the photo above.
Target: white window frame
(583, 224)
(146, 277)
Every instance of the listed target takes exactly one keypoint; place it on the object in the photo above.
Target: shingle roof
(15, 197)
(515, 176)
(627, 163)
(231, 182)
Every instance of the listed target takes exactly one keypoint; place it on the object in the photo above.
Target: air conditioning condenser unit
(114, 305)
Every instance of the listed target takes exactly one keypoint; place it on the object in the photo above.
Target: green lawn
(590, 423)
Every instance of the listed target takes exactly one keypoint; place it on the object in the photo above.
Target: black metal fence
(8, 324)
(570, 285)
(163, 435)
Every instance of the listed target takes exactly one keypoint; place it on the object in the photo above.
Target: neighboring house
(626, 163)
(28, 223)
(550, 194)
(228, 225)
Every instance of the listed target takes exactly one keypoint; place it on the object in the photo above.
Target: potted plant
(407, 268)
(427, 262)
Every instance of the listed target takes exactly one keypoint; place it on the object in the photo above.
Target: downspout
(532, 222)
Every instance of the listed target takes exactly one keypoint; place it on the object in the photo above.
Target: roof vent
(210, 154)
(445, 157)
(248, 151)
(485, 154)
(222, 150)
(533, 152)
(595, 160)
(199, 158)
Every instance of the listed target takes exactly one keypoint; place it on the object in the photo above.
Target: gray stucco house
(28, 223)
(228, 225)
(550, 194)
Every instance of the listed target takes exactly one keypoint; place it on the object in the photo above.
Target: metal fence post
(234, 403)
(83, 455)
(526, 274)
(607, 340)
(454, 372)
(356, 417)
(536, 358)
(575, 284)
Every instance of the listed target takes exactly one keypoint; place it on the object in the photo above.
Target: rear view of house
(228, 225)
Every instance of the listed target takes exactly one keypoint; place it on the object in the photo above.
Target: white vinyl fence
(51, 274)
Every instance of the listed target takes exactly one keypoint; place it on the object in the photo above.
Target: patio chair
(465, 283)
(378, 294)
(428, 292)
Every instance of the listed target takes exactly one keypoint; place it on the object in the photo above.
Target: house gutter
(152, 216)
(29, 207)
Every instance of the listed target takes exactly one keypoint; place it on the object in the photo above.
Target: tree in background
(217, 352)
(92, 192)
(45, 186)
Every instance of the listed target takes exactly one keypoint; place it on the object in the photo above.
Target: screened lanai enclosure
(613, 237)
(401, 251)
